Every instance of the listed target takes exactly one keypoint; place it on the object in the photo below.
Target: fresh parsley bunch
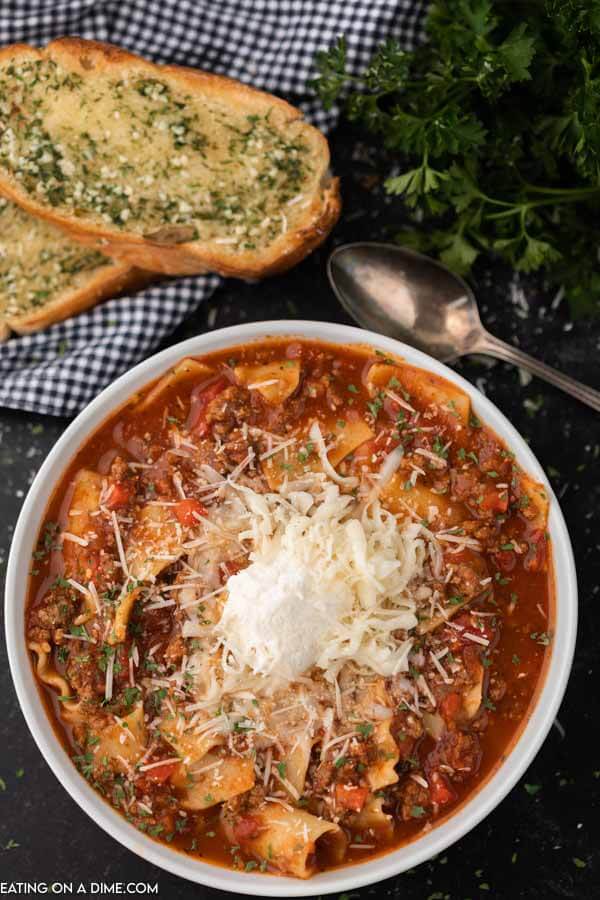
(495, 126)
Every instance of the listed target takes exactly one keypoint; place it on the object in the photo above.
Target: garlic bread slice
(46, 276)
(171, 169)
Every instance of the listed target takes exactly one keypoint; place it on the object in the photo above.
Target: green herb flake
(533, 789)
(417, 812)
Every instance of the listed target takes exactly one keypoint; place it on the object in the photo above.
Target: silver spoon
(408, 296)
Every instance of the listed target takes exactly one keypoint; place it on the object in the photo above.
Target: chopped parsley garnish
(439, 448)
(533, 789)
(541, 637)
(131, 695)
(48, 540)
(157, 697)
(376, 405)
(304, 454)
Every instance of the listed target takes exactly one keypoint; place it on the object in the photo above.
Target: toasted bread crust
(193, 257)
(107, 282)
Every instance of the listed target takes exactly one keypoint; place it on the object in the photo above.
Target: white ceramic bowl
(348, 878)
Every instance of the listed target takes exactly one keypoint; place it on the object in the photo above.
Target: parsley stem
(567, 192)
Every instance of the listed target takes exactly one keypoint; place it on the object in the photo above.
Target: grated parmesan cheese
(323, 588)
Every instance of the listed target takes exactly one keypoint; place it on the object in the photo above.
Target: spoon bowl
(408, 296)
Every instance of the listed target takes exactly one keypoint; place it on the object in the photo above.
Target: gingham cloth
(270, 44)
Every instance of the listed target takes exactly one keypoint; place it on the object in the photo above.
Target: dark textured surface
(540, 843)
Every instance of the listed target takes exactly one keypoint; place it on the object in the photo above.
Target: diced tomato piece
(187, 510)
(494, 500)
(196, 420)
(160, 774)
(246, 828)
(468, 556)
(505, 560)
(229, 568)
(365, 450)
(294, 351)
(453, 635)
(391, 408)
(121, 669)
(440, 790)
(119, 495)
(472, 655)
(535, 561)
(450, 706)
(349, 796)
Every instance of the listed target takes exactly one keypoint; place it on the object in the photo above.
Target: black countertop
(544, 840)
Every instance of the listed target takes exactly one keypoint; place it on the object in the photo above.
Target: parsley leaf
(492, 152)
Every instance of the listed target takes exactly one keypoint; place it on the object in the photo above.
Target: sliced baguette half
(46, 276)
(171, 169)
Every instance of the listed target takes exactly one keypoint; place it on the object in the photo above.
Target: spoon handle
(492, 346)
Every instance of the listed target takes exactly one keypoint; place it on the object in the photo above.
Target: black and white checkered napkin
(270, 44)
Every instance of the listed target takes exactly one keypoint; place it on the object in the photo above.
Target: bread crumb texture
(38, 262)
(114, 146)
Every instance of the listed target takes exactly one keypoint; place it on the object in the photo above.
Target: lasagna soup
(290, 605)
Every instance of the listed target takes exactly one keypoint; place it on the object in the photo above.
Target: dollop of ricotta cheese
(278, 614)
(324, 586)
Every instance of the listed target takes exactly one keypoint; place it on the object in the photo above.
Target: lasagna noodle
(187, 368)
(47, 674)
(287, 839)
(87, 488)
(275, 381)
(152, 545)
(401, 498)
(217, 779)
(373, 818)
(430, 388)
(123, 741)
(192, 748)
(347, 438)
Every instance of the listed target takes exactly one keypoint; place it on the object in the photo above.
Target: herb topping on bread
(172, 169)
(45, 275)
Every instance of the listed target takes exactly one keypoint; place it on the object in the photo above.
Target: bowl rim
(498, 782)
